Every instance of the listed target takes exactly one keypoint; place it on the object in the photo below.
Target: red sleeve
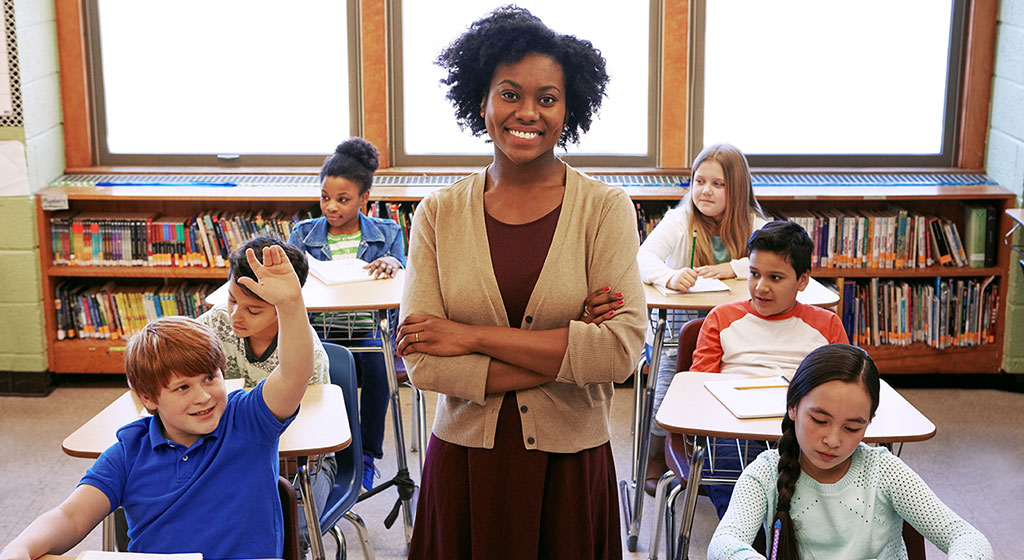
(836, 332)
(708, 355)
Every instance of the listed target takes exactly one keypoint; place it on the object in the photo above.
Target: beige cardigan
(450, 275)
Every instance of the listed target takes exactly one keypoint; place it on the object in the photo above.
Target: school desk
(689, 409)
(320, 427)
(379, 297)
(633, 506)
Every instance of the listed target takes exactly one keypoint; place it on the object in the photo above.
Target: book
(752, 397)
(703, 286)
(340, 271)
(975, 222)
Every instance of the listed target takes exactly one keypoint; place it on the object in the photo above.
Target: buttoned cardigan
(450, 275)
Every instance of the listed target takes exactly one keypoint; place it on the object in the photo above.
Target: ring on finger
(417, 337)
(586, 311)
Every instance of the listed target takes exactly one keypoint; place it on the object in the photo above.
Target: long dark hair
(832, 362)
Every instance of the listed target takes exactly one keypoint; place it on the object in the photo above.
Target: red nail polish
(612, 312)
(618, 294)
(606, 288)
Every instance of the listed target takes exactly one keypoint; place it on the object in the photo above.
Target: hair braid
(789, 472)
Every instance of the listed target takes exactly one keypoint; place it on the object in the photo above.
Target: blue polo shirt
(218, 496)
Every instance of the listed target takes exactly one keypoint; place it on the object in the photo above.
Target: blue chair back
(349, 479)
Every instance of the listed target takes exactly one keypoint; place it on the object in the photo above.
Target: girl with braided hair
(833, 495)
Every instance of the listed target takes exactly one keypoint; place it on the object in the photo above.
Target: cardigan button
(529, 319)
(523, 408)
(529, 440)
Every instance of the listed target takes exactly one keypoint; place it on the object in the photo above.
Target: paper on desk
(341, 271)
(703, 286)
(101, 555)
(752, 397)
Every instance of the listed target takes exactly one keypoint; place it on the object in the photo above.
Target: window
(804, 82)
(231, 82)
(627, 33)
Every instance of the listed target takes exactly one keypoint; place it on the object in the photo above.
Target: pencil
(760, 387)
(693, 248)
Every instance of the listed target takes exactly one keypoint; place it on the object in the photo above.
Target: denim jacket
(380, 238)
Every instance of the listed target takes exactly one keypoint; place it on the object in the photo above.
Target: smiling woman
(508, 310)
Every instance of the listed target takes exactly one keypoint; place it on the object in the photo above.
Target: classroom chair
(289, 506)
(349, 479)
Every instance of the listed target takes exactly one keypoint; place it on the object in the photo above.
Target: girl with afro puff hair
(508, 311)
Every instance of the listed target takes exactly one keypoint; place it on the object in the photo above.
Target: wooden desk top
(320, 427)
(371, 295)
(1017, 214)
(689, 408)
(814, 294)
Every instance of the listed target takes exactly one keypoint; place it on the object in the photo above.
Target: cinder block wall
(1005, 158)
(22, 347)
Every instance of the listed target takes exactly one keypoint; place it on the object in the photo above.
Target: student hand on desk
(682, 280)
(433, 335)
(720, 271)
(384, 267)
(601, 305)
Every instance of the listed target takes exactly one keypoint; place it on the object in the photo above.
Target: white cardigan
(667, 248)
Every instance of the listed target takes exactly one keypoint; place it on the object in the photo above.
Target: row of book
(149, 239)
(940, 312)
(899, 239)
(648, 216)
(108, 311)
(400, 212)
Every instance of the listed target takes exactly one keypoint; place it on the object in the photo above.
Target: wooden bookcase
(107, 356)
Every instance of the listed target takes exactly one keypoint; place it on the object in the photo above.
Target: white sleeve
(915, 502)
(667, 239)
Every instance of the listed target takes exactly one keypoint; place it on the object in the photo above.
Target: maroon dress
(510, 502)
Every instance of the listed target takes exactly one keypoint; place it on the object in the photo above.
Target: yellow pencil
(760, 387)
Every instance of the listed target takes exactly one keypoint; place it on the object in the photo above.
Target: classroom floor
(979, 441)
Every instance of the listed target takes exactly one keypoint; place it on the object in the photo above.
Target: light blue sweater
(861, 516)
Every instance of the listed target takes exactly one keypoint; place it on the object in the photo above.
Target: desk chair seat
(349, 478)
(289, 506)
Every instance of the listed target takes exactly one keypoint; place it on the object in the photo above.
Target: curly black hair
(507, 35)
(354, 159)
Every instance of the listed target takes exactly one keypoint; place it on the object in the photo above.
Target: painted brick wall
(1005, 158)
(22, 347)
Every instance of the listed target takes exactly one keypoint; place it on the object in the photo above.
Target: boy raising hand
(206, 462)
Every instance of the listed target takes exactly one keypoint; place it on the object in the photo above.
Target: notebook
(703, 286)
(341, 271)
(752, 397)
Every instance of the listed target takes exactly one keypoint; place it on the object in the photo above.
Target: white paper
(702, 286)
(341, 271)
(752, 397)
(13, 169)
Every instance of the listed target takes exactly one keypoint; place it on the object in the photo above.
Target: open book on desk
(342, 271)
(703, 285)
(752, 397)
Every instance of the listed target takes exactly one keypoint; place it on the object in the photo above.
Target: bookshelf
(106, 356)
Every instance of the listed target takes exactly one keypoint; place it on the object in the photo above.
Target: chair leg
(659, 512)
(364, 536)
(339, 539)
(670, 522)
(414, 444)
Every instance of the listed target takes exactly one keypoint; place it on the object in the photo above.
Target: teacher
(522, 307)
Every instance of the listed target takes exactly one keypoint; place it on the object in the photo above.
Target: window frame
(396, 124)
(957, 62)
(102, 156)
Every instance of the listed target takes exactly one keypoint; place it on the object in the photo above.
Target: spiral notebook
(752, 397)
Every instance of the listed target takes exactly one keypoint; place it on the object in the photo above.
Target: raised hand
(276, 280)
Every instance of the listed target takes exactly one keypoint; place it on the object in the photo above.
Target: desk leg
(109, 538)
(690, 506)
(633, 515)
(396, 417)
(316, 543)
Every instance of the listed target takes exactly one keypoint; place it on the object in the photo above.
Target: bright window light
(814, 77)
(224, 77)
(619, 29)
